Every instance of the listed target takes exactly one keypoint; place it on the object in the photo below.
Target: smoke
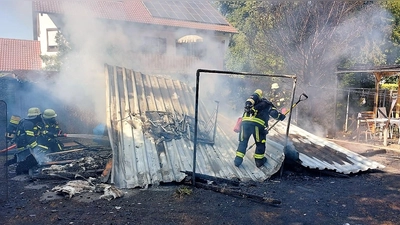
(359, 39)
(95, 42)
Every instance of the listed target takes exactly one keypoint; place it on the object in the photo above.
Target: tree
(54, 62)
(309, 39)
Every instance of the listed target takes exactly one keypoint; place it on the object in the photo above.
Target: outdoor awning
(190, 39)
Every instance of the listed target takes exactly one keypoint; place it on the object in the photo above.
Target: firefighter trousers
(259, 134)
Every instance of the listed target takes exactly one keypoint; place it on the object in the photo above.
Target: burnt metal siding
(318, 153)
(140, 159)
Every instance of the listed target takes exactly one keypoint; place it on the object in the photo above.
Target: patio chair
(364, 127)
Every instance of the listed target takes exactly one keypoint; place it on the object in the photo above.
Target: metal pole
(347, 111)
(335, 108)
(196, 112)
(5, 155)
(288, 124)
(215, 125)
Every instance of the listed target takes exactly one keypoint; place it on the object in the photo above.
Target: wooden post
(376, 100)
(398, 101)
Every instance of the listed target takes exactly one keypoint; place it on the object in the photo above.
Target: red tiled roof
(19, 55)
(128, 10)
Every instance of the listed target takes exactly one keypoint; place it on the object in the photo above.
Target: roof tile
(19, 55)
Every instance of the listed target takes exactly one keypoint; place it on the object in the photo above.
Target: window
(152, 45)
(196, 49)
(51, 40)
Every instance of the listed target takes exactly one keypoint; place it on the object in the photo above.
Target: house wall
(167, 62)
(45, 31)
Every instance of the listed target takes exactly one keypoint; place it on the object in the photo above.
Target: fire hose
(9, 148)
(301, 98)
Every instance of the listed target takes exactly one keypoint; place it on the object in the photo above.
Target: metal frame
(5, 155)
(198, 73)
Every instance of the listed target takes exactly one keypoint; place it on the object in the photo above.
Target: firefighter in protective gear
(255, 123)
(11, 129)
(28, 130)
(277, 96)
(51, 131)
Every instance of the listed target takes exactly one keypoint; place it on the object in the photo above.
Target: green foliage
(356, 80)
(181, 192)
(393, 50)
(311, 39)
(54, 62)
(389, 86)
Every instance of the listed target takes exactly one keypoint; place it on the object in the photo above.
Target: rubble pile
(74, 187)
(83, 160)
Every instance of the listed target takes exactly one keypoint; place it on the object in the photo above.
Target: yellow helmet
(34, 111)
(258, 92)
(49, 113)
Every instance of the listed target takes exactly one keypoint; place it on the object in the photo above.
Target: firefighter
(28, 130)
(11, 129)
(51, 131)
(277, 96)
(255, 123)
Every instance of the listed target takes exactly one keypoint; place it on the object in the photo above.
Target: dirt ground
(306, 197)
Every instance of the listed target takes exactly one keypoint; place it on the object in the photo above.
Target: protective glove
(281, 117)
(266, 130)
(247, 107)
(253, 111)
(51, 134)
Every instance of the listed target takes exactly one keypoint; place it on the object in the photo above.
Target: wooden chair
(365, 127)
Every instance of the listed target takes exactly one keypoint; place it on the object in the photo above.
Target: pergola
(379, 72)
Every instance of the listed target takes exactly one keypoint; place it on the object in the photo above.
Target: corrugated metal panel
(319, 153)
(141, 159)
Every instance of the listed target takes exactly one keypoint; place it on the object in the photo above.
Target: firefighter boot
(260, 162)
(238, 159)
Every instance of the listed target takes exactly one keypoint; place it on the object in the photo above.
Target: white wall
(44, 23)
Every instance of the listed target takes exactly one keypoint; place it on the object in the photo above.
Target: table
(381, 123)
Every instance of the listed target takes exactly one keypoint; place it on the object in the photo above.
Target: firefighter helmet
(49, 113)
(34, 111)
(275, 86)
(258, 92)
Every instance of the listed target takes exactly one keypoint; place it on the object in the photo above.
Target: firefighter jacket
(50, 132)
(27, 132)
(261, 112)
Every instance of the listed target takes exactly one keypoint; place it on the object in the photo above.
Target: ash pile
(79, 157)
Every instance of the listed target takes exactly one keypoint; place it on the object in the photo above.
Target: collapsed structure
(150, 133)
